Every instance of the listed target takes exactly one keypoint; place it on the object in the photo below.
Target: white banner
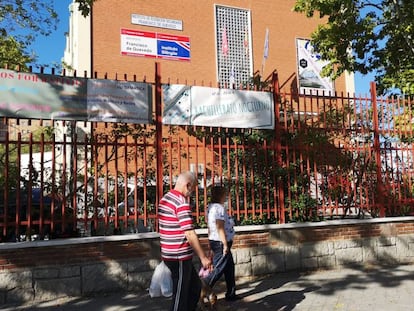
(40, 96)
(119, 101)
(205, 106)
(310, 65)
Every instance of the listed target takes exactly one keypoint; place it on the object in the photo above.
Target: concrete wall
(44, 270)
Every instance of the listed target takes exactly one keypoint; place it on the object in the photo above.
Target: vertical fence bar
(250, 162)
(136, 198)
(158, 138)
(220, 159)
(6, 181)
(244, 174)
(237, 179)
(42, 170)
(126, 181)
(205, 183)
(380, 185)
(116, 192)
(197, 173)
(267, 177)
(96, 200)
(85, 186)
(19, 202)
(179, 164)
(144, 180)
(106, 186)
(53, 176)
(276, 100)
(229, 167)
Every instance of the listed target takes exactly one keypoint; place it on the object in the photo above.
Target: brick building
(208, 42)
(196, 42)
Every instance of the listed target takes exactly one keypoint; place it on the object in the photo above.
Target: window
(233, 46)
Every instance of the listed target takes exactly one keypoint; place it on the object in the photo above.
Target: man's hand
(206, 262)
(195, 243)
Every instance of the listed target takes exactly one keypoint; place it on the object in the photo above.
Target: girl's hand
(225, 250)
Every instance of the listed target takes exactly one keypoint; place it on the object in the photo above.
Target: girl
(220, 235)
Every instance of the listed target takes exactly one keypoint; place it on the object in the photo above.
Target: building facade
(202, 42)
(77, 54)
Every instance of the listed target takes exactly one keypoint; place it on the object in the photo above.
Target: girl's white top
(217, 211)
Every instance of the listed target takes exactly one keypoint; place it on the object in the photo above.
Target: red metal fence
(328, 157)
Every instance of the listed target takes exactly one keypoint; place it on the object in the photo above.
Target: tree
(12, 54)
(21, 21)
(85, 6)
(366, 36)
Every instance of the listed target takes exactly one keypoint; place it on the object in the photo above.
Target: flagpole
(261, 73)
(265, 52)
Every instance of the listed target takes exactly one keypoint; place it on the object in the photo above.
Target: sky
(50, 49)
(362, 84)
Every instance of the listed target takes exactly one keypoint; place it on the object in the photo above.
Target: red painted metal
(351, 167)
(159, 136)
(375, 121)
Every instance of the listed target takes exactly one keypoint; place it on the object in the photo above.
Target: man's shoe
(232, 298)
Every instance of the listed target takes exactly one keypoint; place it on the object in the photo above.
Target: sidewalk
(351, 289)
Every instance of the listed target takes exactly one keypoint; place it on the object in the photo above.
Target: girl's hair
(217, 193)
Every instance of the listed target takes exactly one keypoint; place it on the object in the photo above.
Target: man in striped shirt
(178, 241)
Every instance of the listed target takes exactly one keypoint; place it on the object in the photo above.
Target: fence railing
(328, 157)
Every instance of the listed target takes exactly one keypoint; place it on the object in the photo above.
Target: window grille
(233, 44)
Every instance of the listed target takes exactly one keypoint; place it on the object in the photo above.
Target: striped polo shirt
(174, 215)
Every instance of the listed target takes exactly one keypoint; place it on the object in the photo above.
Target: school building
(207, 42)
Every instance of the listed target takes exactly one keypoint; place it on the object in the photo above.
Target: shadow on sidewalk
(318, 290)
(269, 293)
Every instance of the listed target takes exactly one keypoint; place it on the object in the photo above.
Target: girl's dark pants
(222, 265)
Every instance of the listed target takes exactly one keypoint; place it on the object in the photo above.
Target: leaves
(21, 21)
(85, 6)
(366, 36)
(11, 54)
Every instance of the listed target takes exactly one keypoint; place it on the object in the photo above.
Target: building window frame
(233, 46)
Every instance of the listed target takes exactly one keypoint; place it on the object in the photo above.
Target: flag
(224, 43)
(232, 78)
(266, 45)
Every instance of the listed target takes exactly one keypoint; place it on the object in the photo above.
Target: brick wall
(284, 27)
(44, 270)
(74, 254)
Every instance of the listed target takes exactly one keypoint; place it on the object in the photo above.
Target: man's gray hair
(187, 177)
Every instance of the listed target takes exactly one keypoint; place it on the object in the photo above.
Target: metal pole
(276, 100)
(375, 123)
(158, 138)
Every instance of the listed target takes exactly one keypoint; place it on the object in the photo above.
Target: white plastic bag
(161, 281)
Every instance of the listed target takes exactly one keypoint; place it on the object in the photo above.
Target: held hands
(225, 250)
(206, 263)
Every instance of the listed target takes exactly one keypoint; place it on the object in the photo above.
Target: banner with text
(41, 96)
(310, 64)
(206, 106)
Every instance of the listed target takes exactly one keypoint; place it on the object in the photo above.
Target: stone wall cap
(83, 240)
(202, 232)
(327, 223)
